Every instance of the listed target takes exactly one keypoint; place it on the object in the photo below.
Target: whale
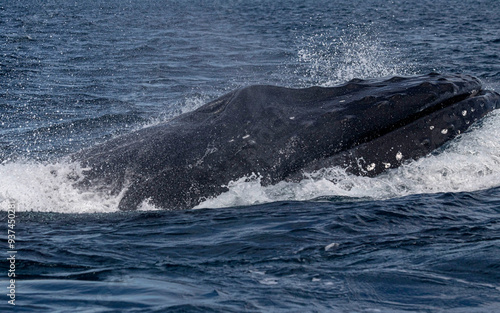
(364, 126)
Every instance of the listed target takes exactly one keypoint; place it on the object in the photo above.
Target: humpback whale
(364, 126)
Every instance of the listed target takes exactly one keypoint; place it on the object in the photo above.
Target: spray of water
(49, 188)
(326, 59)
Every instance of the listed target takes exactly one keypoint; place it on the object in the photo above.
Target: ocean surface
(421, 238)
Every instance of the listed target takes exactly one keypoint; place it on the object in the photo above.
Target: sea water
(421, 238)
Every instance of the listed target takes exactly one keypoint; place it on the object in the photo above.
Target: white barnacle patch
(399, 156)
(370, 167)
(292, 117)
(464, 112)
(431, 128)
(386, 165)
(246, 136)
(444, 131)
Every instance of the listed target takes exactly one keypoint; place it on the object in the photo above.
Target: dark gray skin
(364, 126)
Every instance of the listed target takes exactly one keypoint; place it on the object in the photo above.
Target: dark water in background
(423, 238)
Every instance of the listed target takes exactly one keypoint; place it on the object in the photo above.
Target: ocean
(424, 237)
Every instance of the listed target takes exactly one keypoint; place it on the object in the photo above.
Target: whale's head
(373, 125)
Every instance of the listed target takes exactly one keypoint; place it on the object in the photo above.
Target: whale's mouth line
(419, 115)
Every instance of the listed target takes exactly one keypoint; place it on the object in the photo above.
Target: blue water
(421, 238)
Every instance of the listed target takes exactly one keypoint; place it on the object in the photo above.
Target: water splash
(46, 187)
(326, 59)
(187, 105)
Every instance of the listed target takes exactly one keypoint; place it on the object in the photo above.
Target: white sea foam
(49, 188)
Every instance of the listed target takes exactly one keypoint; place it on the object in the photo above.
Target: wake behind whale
(364, 126)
